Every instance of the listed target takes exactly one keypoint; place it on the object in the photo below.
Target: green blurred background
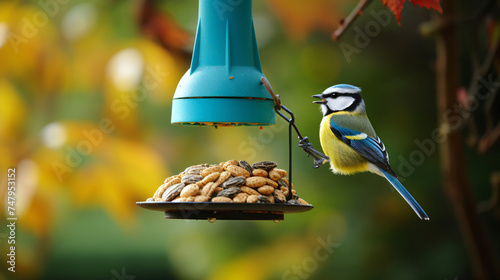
(66, 68)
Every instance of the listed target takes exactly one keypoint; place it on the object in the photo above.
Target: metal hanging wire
(319, 158)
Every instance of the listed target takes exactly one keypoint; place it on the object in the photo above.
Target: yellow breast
(343, 159)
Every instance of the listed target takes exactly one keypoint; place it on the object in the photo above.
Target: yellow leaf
(139, 168)
(38, 217)
(30, 52)
(12, 112)
(115, 175)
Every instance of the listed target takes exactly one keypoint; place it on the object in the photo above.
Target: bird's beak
(322, 101)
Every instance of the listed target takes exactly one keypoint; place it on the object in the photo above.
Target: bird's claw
(319, 162)
(319, 158)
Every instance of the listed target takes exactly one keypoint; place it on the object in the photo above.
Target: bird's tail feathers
(406, 195)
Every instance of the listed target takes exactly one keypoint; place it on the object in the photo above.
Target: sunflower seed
(263, 199)
(293, 202)
(282, 183)
(266, 165)
(173, 191)
(229, 192)
(233, 182)
(191, 179)
(245, 165)
(279, 197)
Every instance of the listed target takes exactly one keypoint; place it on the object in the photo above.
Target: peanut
(284, 190)
(190, 190)
(266, 190)
(221, 199)
(201, 198)
(255, 182)
(249, 191)
(274, 175)
(230, 162)
(282, 172)
(237, 171)
(240, 198)
(210, 178)
(259, 172)
(222, 178)
(271, 182)
(209, 170)
(208, 189)
(169, 178)
(286, 181)
(303, 202)
(252, 198)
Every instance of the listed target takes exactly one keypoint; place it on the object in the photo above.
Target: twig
(162, 28)
(488, 107)
(489, 139)
(490, 204)
(358, 10)
(479, 71)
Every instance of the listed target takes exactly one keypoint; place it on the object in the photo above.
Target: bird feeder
(225, 86)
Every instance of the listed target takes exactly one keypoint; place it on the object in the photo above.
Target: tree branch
(455, 181)
(358, 10)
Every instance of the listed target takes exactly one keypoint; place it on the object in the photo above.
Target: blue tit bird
(349, 140)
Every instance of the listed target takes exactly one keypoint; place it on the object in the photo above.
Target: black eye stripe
(337, 94)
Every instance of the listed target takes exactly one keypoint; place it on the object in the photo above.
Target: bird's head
(341, 97)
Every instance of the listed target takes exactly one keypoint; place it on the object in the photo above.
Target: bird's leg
(319, 158)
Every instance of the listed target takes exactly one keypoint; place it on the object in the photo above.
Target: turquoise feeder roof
(223, 85)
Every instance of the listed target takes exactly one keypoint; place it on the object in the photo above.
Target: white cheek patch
(340, 103)
(324, 109)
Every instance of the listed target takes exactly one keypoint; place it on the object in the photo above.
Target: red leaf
(434, 4)
(396, 6)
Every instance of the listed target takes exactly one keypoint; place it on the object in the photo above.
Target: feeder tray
(244, 211)
(224, 211)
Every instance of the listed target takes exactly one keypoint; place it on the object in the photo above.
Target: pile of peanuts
(230, 181)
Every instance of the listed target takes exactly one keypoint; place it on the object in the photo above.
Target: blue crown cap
(343, 88)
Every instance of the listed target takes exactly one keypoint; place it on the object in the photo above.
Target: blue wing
(368, 147)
